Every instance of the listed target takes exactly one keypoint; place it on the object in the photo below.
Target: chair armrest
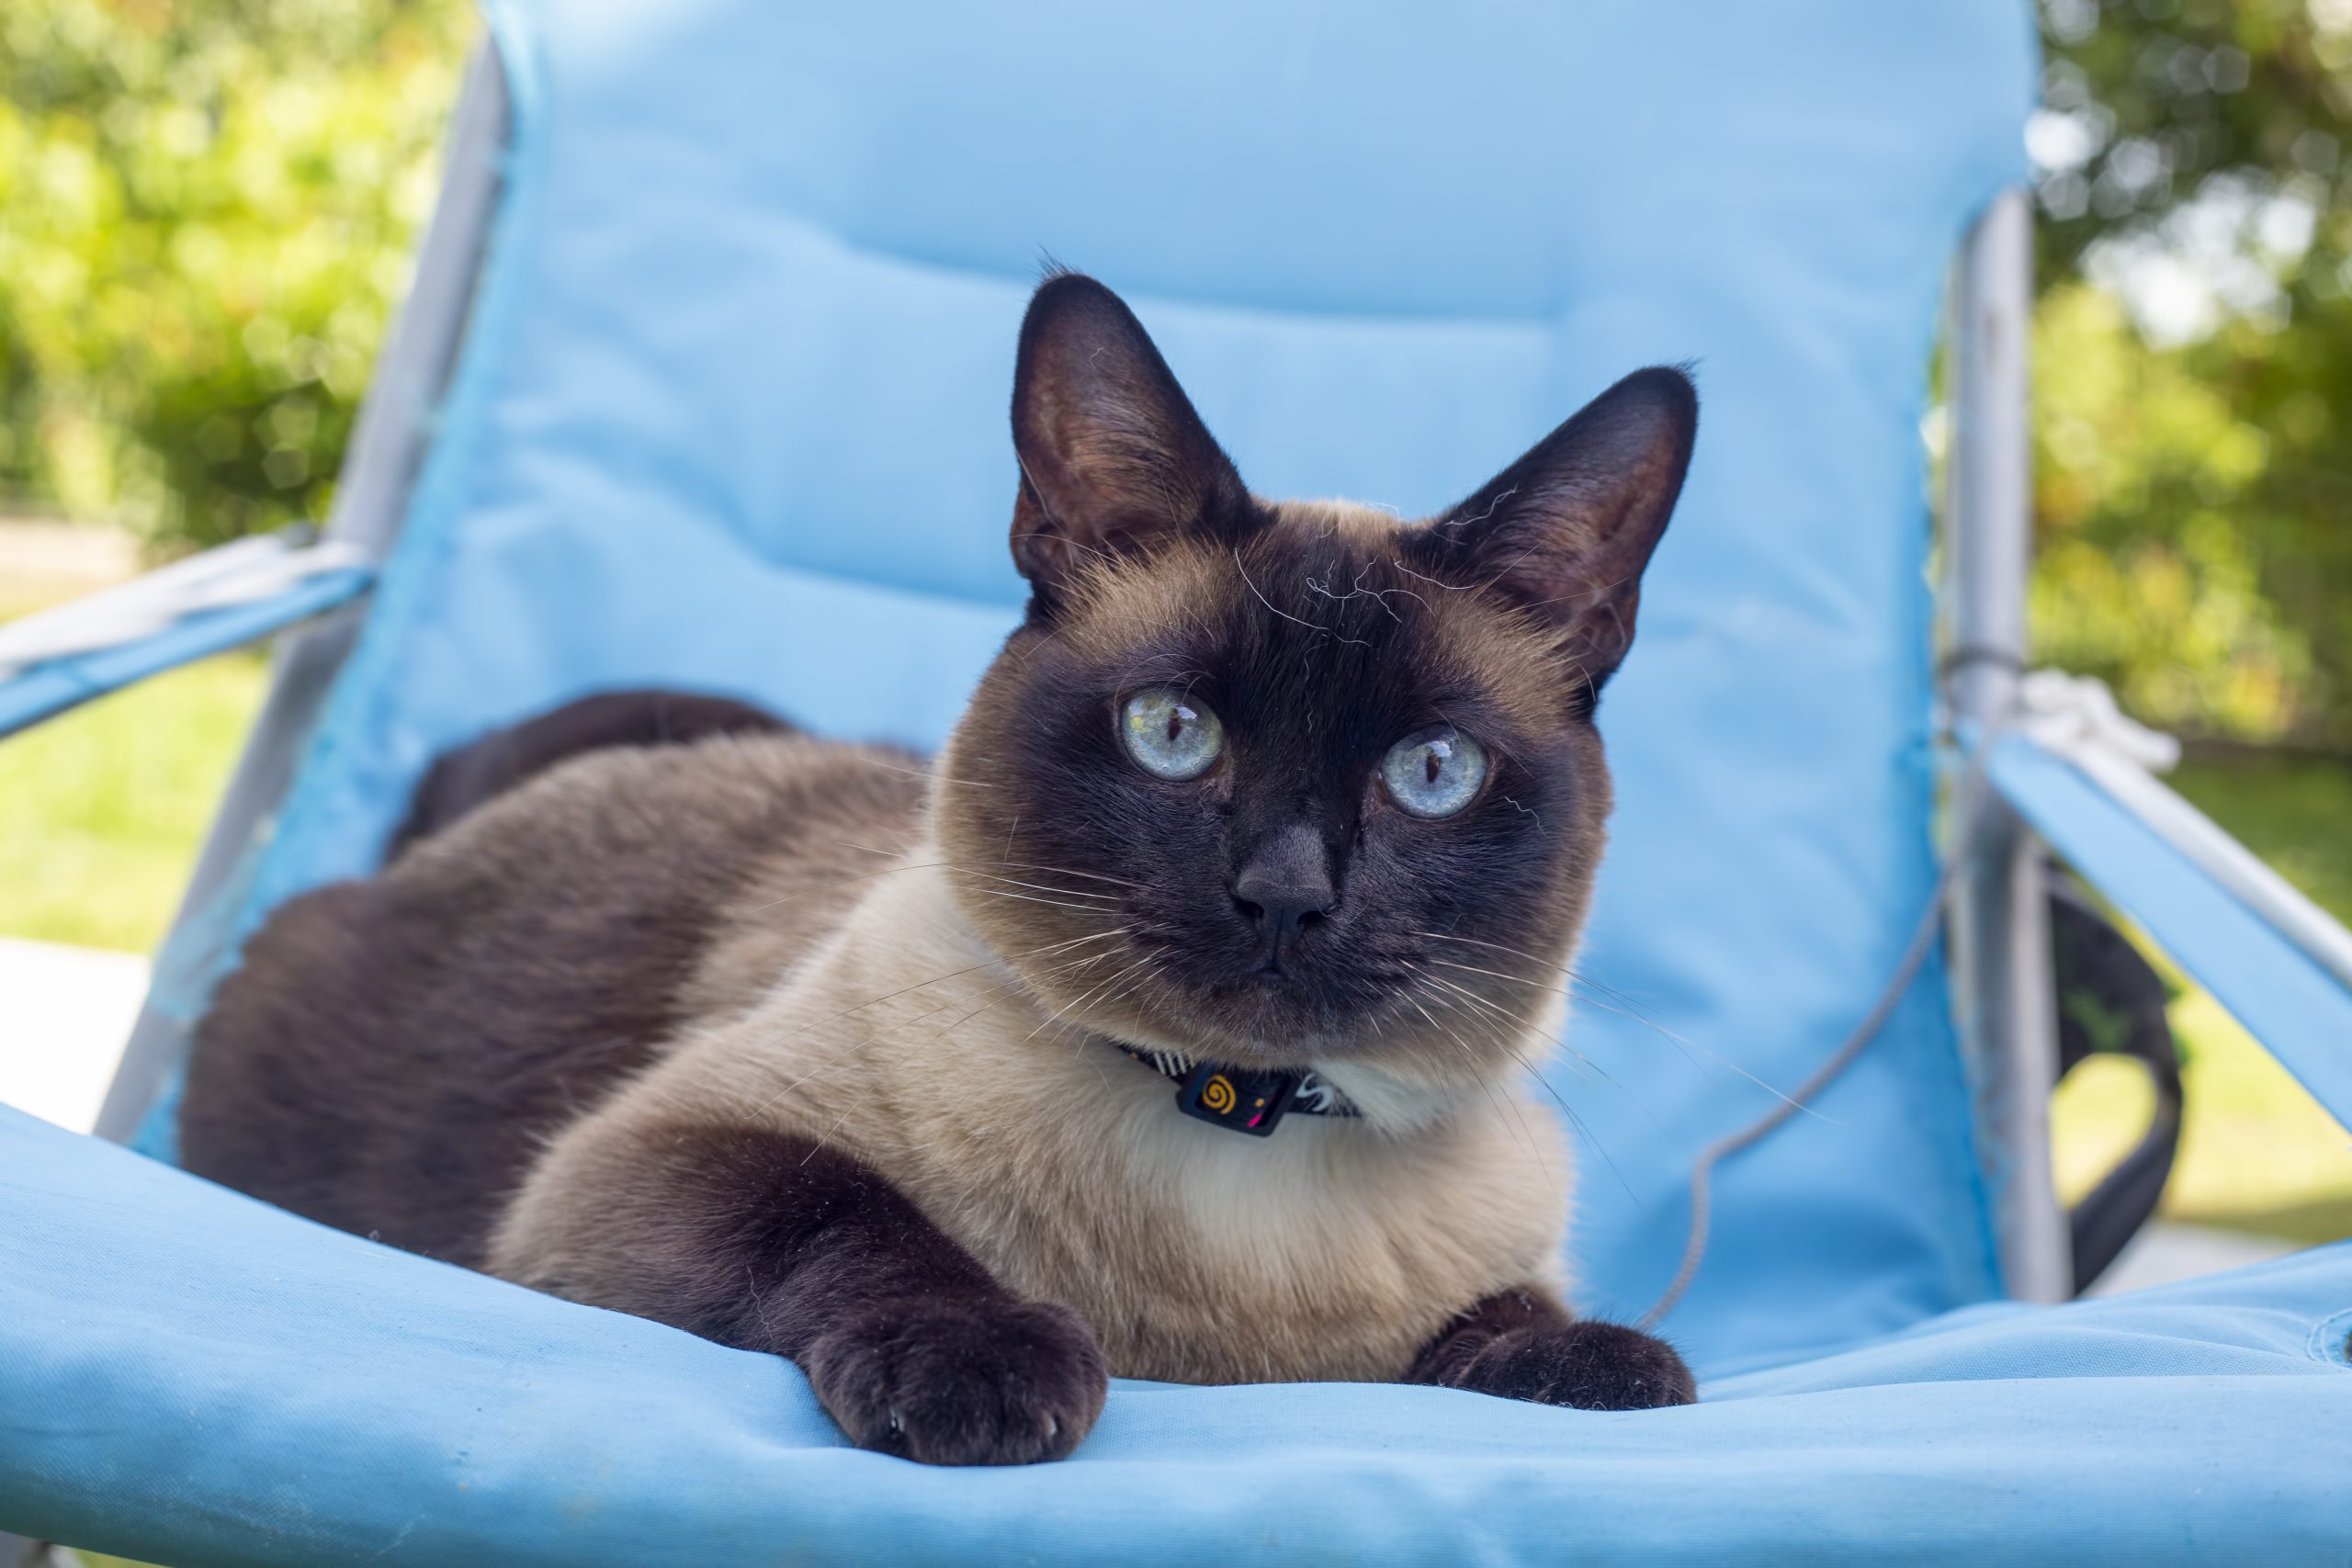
(221, 599)
(2278, 961)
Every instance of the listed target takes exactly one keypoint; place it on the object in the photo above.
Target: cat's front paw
(1588, 1365)
(961, 1381)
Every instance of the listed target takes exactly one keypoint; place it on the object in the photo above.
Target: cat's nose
(1285, 888)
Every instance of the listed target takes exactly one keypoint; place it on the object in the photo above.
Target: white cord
(1968, 815)
(2075, 719)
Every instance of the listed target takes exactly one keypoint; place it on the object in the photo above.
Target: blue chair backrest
(731, 416)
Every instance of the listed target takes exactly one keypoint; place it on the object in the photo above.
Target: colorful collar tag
(1240, 1099)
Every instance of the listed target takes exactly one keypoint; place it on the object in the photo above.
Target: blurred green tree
(206, 213)
(2194, 382)
(207, 208)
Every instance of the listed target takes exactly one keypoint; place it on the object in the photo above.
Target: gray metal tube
(387, 447)
(2002, 987)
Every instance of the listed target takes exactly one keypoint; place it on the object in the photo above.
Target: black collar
(1244, 1100)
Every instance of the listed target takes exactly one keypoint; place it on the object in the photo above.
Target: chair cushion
(731, 416)
(192, 1378)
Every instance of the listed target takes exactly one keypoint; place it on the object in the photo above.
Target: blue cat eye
(1170, 736)
(1435, 772)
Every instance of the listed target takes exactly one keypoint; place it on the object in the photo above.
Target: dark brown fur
(471, 775)
(1522, 1345)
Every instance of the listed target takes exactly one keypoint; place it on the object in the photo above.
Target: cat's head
(1278, 781)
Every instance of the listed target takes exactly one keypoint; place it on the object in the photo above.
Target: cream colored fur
(1334, 1250)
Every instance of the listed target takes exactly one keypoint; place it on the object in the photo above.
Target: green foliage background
(207, 208)
(2194, 361)
(206, 213)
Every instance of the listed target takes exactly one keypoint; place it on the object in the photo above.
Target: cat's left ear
(1112, 455)
(1565, 532)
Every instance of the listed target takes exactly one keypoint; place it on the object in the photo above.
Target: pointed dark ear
(1567, 530)
(1111, 451)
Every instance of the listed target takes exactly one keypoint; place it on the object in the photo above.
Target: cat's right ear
(1112, 453)
(1566, 531)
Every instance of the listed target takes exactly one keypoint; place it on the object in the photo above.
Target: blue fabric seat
(222, 1383)
(730, 416)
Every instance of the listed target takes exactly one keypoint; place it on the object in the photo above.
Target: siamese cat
(1175, 1023)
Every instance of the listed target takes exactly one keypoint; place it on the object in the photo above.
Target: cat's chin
(1212, 1032)
(1277, 1021)
(1253, 1025)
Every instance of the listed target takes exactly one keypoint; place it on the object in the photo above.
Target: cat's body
(762, 971)
(1334, 1250)
(802, 1047)
(396, 1052)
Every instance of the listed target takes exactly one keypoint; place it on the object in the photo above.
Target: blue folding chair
(702, 386)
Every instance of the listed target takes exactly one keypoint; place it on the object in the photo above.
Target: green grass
(102, 809)
(2295, 814)
(2257, 1152)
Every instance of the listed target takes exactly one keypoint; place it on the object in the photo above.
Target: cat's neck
(930, 984)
